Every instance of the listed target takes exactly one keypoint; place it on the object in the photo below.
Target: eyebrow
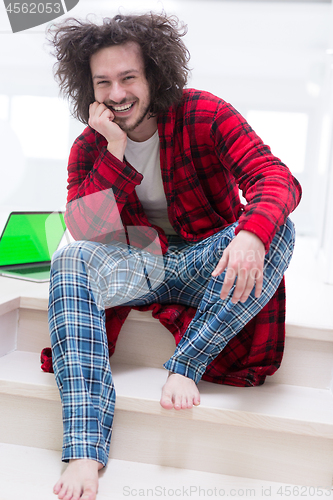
(123, 73)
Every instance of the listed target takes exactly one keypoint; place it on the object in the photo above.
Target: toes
(89, 493)
(179, 393)
(196, 400)
(63, 492)
(57, 488)
(76, 494)
(185, 401)
(166, 401)
(178, 404)
(69, 493)
(189, 403)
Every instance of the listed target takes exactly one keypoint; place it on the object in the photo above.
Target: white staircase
(277, 438)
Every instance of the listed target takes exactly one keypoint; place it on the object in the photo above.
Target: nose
(117, 93)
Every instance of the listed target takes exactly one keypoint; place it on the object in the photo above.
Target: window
(285, 133)
(42, 126)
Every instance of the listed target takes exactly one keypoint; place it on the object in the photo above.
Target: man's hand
(243, 259)
(101, 119)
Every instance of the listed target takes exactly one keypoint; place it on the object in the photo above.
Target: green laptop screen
(31, 237)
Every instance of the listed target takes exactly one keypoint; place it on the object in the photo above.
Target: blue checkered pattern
(88, 277)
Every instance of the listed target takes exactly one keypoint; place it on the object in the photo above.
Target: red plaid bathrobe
(208, 152)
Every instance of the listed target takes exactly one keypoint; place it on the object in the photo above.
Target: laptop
(27, 243)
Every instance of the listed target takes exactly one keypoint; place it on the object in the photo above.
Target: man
(157, 168)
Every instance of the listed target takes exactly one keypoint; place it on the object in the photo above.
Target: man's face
(120, 83)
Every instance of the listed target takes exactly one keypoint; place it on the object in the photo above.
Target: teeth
(125, 107)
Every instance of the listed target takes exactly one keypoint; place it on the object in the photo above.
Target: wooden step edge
(29, 294)
(9, 305)
(297, 331)
(12, 303)
(35, 296)
(15, 293)
(228, 417)
(300, 331)
(38, 303)
(220, 416)
(28, 390)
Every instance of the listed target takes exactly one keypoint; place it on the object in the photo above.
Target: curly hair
(164, 54)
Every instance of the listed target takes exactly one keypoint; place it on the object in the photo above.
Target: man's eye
(128, 78)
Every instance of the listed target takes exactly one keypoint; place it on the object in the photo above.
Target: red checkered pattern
(208, 153)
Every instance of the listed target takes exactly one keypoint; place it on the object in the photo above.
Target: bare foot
(79, 481)
(179, 392)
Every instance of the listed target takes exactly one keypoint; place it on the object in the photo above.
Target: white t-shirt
(145, 158)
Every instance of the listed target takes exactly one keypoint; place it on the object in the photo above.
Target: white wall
(260, 56)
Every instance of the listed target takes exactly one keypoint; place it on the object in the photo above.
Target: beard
(121, 122)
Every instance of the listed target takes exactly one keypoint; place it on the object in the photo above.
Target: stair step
(274, 432)
(307, 361)
(38, 470)
(292, 409)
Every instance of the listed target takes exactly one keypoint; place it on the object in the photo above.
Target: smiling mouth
(122, 108)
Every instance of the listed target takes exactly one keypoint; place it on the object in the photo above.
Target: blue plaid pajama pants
(88, 277)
